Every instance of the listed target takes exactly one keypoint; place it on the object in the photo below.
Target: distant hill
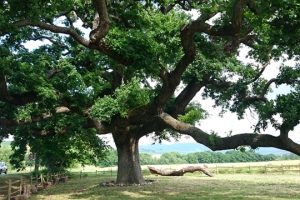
(176, 147)
(185, 148)
(271, 150)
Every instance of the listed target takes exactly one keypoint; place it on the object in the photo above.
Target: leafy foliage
(122, 82)
(126, 98)
(193, 114)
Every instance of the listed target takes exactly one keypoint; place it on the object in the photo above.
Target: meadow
(196, 186)
(85, 183)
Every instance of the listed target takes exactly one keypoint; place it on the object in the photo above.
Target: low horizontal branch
(8, 123)
(215, 142)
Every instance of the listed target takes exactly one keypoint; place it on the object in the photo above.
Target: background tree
(56, 152)
(121, 77)
(5, 152)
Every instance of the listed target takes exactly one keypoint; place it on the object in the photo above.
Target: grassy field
(238, 186)
(252, 185)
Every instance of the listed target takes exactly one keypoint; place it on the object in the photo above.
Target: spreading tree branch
(172, 79)
(54, 29)
(258, 75)
(231, 142)
(238, 15)
(100, 23)
(7, 123)
(186, 95)
(100, 45)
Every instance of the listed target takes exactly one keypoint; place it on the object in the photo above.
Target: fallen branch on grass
(179, 172)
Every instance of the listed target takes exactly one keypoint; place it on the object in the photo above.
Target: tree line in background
(199, 157)
(110, 158)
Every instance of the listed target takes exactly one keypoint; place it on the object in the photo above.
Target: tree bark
(179, 172)
(129, 168)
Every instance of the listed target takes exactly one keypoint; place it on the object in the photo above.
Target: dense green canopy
(114, 66)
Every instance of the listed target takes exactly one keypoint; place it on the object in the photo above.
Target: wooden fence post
(42, 179)
(249, 168)
(21, 180)
(9, 190)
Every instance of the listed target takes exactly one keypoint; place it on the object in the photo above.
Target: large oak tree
(132, 68)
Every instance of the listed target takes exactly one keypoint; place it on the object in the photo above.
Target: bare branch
(238, 15)
(186, 95)
(13, 123)
(98, 125)
(101, 22)
(101, 46)
(54, 29)
(267, 86)
(259, 73)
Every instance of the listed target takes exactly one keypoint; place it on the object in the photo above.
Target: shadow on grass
(177, 188)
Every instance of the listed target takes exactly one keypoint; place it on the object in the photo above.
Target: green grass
(230, 184)
(238, 186)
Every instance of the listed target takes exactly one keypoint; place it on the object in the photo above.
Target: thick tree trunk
(129, 168)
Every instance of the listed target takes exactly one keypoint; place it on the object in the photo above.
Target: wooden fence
(256, 169)
(12, 188)
(23, 186)
(217, 169)
(107, 173)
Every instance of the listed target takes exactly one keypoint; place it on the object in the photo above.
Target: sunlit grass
(241, 185)
(238, 186)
